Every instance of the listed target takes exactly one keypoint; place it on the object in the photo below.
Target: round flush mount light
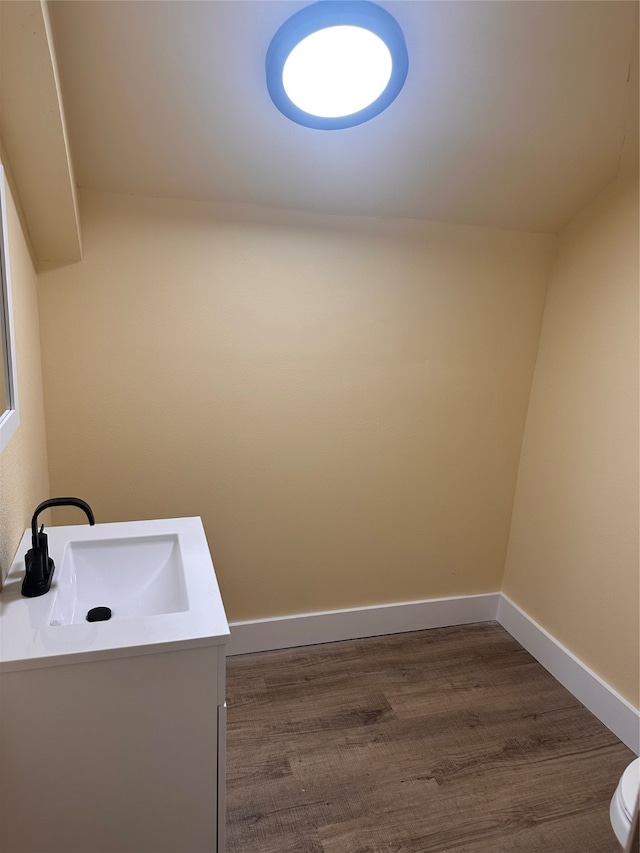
(336, 64)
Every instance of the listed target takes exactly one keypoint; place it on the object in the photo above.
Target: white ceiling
(513, 114)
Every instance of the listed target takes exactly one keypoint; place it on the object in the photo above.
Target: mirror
(9, 414)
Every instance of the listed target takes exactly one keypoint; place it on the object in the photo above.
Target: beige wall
(572, 562)
(342, 401)
(24, 479)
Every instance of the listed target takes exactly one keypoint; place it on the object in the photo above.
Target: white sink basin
(134, 577)
(157, 578)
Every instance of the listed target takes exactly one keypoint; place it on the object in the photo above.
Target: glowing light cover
(336, 64)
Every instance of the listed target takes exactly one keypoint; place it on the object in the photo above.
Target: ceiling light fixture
(336, 64)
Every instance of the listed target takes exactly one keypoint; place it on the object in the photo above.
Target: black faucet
(38, 564)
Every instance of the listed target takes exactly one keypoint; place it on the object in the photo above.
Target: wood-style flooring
(453, 739)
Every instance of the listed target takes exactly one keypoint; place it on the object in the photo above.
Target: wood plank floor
(453, 739)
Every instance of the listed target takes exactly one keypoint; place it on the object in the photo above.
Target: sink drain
(99, 614)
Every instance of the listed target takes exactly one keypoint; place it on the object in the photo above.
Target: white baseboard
(307, 629)
(618, 715)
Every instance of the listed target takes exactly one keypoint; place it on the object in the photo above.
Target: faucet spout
(39, 566)
(83, 505)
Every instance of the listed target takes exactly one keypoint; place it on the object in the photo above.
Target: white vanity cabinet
(115, 749)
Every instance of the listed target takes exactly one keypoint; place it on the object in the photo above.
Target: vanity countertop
(34, 634)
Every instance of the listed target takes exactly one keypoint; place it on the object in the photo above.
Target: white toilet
(623, 802)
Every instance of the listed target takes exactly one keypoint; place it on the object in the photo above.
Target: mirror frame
(10, 417)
